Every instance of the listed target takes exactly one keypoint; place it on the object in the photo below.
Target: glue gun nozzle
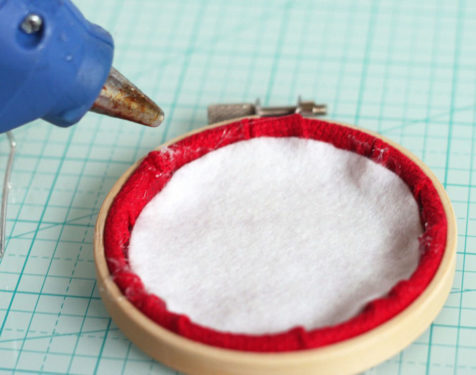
(120, 98)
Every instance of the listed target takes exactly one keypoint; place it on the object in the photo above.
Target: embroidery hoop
(348, 356)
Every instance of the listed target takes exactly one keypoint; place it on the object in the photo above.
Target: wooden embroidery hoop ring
(345, 357)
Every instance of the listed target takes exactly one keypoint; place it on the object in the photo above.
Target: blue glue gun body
(55, 73)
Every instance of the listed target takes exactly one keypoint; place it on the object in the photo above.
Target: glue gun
(56, 65)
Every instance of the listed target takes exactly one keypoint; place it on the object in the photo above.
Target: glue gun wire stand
(6, 189)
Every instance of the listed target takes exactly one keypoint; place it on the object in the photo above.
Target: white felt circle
(272, 233)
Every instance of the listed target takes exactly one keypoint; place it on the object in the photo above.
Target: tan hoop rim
(346, 357)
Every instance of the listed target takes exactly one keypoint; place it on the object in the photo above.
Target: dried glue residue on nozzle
(272, 233)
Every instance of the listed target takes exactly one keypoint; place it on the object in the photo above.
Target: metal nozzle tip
(120, 98)
(159, 119)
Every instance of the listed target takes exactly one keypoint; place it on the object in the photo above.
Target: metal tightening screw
(224, 112)
(32, 23)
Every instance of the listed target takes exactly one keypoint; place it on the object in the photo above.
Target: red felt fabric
(159, 166)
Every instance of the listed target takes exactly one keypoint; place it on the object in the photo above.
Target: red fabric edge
(157, 169)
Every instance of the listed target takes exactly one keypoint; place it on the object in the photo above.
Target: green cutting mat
(404, 68)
